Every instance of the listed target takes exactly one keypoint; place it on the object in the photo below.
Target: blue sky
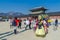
(25, 5)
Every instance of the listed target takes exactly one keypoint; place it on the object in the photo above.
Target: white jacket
(27, 22)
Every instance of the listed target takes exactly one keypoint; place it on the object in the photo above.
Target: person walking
(34, 25)
(30, 21)
(56, 24)
(45, 26)
(27, 24)
(19, 23)
(16, 24)
(24, 22)
(11, 20)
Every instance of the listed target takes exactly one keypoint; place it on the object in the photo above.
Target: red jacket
(17, 22)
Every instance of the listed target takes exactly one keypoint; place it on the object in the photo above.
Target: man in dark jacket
(56, 24)
(20, 21)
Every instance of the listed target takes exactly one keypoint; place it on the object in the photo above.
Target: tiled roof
(50, 14)
(38, 9)
(53, 13)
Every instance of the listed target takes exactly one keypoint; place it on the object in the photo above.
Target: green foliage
(4, 17)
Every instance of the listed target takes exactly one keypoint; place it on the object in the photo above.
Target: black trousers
(30, 26)
(19, 25)
(15, 31)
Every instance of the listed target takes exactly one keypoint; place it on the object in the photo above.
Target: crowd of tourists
(32, 23)
(16, 22)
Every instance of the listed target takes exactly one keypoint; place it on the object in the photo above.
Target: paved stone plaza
(7, 33)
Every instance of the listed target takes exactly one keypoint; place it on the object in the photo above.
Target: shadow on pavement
(10, 33)
(4, 39)
(5, 33)
(22, 31)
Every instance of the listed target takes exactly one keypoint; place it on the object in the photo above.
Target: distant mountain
(3, 14)
(14, 14)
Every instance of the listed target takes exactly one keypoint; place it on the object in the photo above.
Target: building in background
(54, 15)
(37, 11)
(33, 14)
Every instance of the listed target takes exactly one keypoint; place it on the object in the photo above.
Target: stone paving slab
(27, 34)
